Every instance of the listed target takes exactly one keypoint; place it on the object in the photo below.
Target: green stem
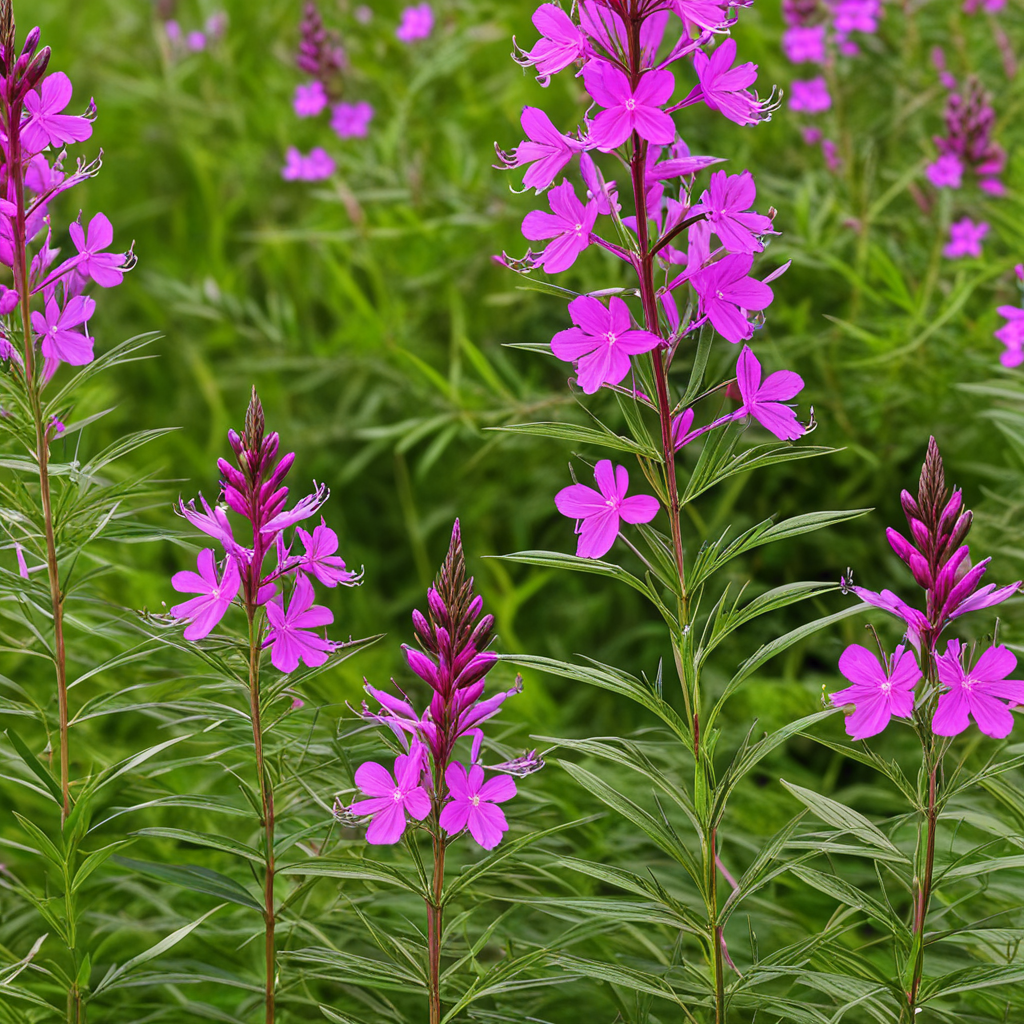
(435, 915)
(922, 896)
(717, 958)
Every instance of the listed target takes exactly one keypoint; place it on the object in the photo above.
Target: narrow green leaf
(198, 879)
(579, 435)
(213, 842)
(35, 766)
(557, 560)
(851, 896)
(357, 870)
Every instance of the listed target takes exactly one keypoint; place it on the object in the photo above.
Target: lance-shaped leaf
(851, 896)
(581, 435)
(198, 879)
(557, 560)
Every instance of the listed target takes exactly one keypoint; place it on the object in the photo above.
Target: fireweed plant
(268, 573)
(690, 245)
(438, 785)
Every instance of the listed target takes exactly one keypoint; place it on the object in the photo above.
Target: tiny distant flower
(320, 558)
(351, 120)
(561, 43)
(599, 512)
(811, 135)
(19, 554)
(55, 427)
(298, 704)
(196, 41)
(546, 148)
(857, 16)
(726, 89)
(810, 97)
(831, 153)
(472, 804)
(979, 693)
(215, 595)
(726, 292)
(105, 268)
(217, 24)
(946, 172)
(765, 401)
(602, 341)
(46, 125)
(725, 206)
(1011, 334)
(291, 638)
(364, 14)
(310, 99)
(315, 167)
(60, 341)
(879, 691)
(392, 797)
(417, 23)
(628, 111)
(965, 239)
(569, 225)
(173, 30)
(804, 44)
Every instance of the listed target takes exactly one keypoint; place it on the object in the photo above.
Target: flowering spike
(252, 434)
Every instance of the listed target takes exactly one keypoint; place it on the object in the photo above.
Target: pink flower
(315, 167)
(351, 120)
(602, 341)
(856, 16)
(965, 239)
(547, 149)
(804, 44)
(946, 172)
(392, 797)
(878, 691)
(599, 512)
(472, 804)
(561, 43)
(46, 125)
(765, 401)
(56, 330)
(215, 596)
(310, 99)
(196, 41)
(726, 89)
(291, 639)
(105, 268)
(1011, 334)
(417, 23)
(726, 292)
(810, 97)
(725, 204)
(320, 558)
(628, 111)
(19, 554)
(916, 621)
(704, 14)
(681, 424)
(569, 224)
(979, 692)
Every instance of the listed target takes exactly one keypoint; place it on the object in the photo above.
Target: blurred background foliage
(371, 316)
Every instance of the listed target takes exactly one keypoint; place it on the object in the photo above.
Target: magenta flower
(310, 99)
(315, 167)
(351, 120)
(56, 330)
(725, 206)
(215, 595)
(810, 97)
(979, 692)
(965, 239)
(417, 23)
(602, 341)
(726, 291)
(704, 14)
(196, 41)
(547, 149)
(879, 691)
(1011, 334)
(569, 225)
(681, 424)
(804, 44)
(628, 111)
(598, 513)
(105, 268)
(320, 558)
(726, 89)
(561, 43)
(46, 125)
(857, 16)
(946, 172)
(472, 804)
(764, 401)
(392, 797)
(291, 638)
(916, 621)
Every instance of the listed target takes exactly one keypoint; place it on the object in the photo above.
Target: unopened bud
(910, 506)
(31, 42)
(255, 424)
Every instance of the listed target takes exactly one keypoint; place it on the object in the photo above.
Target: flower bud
(922, 536)
(960, 530)
(422, 627)
(232, 475)
(236, 442)
(437, 606)
(910, 507)
(282, 468)
(31, 42)
(476, 606)
(919, 567)
(900, 544)
(950, 512)
(421, 665)
(482, 633)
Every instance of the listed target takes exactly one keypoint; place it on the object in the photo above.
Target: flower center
(631, 103)
(397, 795)
(475, 800)
(578, 228)
(611, 338)
(720, 294)
(887, 686)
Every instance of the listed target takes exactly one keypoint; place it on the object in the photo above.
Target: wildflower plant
(647, 352)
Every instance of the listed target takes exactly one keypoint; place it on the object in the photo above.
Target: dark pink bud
(236, 442)
(900, 545)
(236, 501)
(463, 698)
(476, 669)
(482, 633)
(31, 42)
(921, 535)
(476, 606)
(960, 530)
(282, 468)
(37, 68)
(910, 509)
(948, 574)
(271, 445)
(919, 567)
(422, 627)
(463, 658)
(275, 503)
(421, 665)
(950, 512)
(232, 475)
(964, 588)
(437, 606)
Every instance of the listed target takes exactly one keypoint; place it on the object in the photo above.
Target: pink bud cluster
(940, 564)
(254, 489)
(452, 659)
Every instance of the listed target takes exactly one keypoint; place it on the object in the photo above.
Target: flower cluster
(940, 563)
(36, 129)
(1011, 334)
(427, 779)
(706, 240)
(254, 489)
(182, 43)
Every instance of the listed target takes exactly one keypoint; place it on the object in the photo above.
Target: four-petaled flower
(599, 512)
(725, 206)
(46, 125)
(569, 225)
(351, 120)
(602, 341)
(291, 638)
(320, 558)
(546, 148)
(764, 401)
(629, 111)
(417, 23)
(725, 88)
(472, 804)
(810, 97)
(878, 691)
(561, 43)
(215, 595)
(946, 172)
(310, 99)
(726, 290)
(60, 341)
(979, 692)
(392, 797)
(105, 268)
(965, 239)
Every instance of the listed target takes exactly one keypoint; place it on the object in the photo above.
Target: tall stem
(267, 803)
(435, 913)
(922, 897)
(711, 863)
